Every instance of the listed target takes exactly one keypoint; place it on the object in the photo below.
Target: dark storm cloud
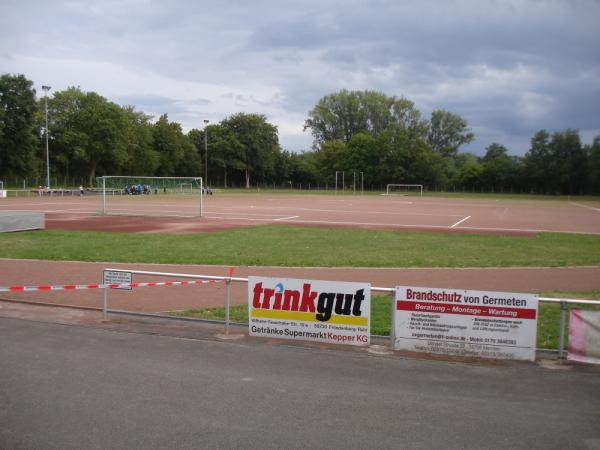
(509, 67)
(425, 44)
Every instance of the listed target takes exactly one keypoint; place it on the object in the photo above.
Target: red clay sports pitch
(223, 211)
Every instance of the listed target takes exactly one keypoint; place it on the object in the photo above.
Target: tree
(341, 115)
(359, 154)
(330, 158)
(400, 156)
(447, 132)
(556, 164)
(593, 152)
(468, 170)
(568, 162)
(172, 146)
(408, 118)
(259, 141)
(536, 163)
(499, 169)
(335, 117)
(191, 164)
(89, 131)
(142, 159)
(225, 152)
(426, 166)
(306, 168)
(18, 127)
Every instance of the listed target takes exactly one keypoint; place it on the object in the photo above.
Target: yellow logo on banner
(307, 317)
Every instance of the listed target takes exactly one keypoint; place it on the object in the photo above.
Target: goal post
(404, 189)
(150, 196)
(186, 188)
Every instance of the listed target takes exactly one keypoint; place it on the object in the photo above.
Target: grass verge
(308, 247)
(548, 319)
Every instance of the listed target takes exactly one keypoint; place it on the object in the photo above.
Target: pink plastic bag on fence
(584, 336)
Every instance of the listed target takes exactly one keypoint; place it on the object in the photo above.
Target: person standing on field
(80, 190)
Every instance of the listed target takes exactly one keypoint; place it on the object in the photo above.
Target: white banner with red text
(479, 324)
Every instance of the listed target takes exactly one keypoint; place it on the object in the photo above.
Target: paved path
(27, 272)
(73, 387)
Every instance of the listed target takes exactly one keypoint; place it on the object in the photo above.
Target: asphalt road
(64, 386)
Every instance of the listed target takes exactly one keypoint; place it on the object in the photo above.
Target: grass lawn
(307, 247)
(548, 320)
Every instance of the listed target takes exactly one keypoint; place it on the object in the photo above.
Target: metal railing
(227, 280)
(227, 301)
(58, 192)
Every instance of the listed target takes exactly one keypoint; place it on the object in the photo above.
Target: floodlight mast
(206, 152)
(46, 89)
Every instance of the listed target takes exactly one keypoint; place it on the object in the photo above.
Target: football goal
(186, 188)
(150, 196)
(404, 189)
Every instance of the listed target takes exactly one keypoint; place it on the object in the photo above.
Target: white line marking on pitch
(250, 214)
(287, 218)
(416, 226)
(584, 206)
(343, 211)
(460, 221)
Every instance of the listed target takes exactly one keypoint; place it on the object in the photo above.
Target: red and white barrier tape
(78, 287)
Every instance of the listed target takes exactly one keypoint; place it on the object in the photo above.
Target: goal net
(404, 189)
(150, 196)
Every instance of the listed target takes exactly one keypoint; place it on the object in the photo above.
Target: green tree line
(384, 139)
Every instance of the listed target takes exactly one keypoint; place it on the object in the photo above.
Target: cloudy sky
(509, 67)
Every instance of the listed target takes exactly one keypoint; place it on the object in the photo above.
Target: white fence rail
(388, 290)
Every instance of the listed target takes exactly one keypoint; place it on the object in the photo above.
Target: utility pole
(206, 153)
(46, 89)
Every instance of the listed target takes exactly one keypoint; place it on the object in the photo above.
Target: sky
(510, 68)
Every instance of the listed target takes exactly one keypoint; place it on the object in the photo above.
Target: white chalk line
(460, 221)
(415, 226)
(584, 206)
(341, 211)
(277, 216)
(287, 218)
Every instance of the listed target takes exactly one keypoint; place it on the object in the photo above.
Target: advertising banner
(310, 310)
(499, 325)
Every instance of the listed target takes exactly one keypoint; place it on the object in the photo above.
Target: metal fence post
(393, 322)
(561, 335)
(103, 195)
(105, 305)
(227, 304)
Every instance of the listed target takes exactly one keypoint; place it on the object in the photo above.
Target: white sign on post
(311, 310)
(499, 325)
(114, 277)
